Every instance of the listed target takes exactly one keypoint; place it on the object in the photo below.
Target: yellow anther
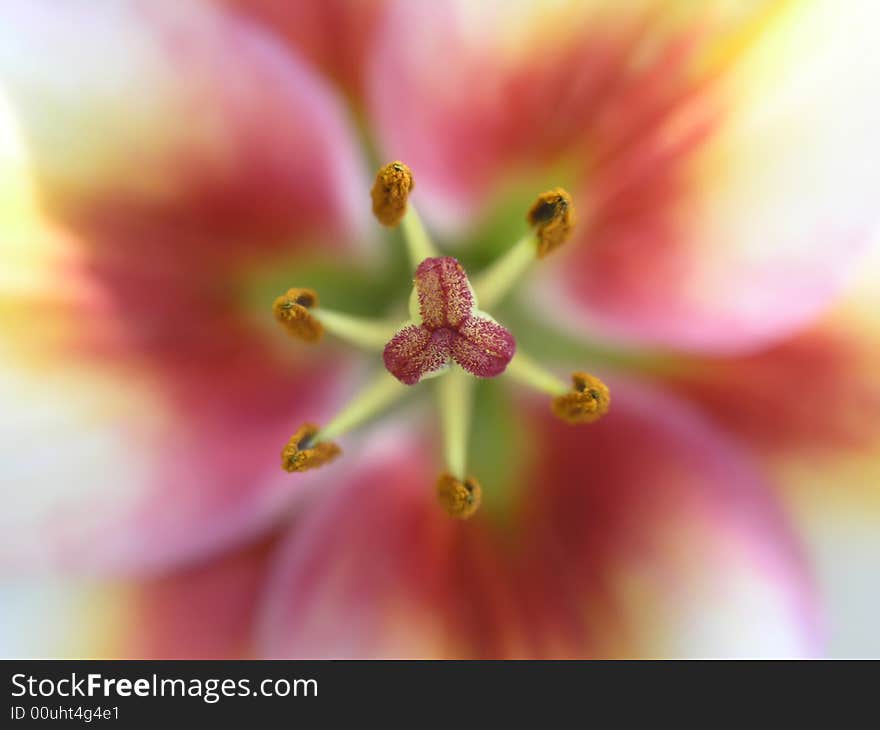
(394, 183)
(292, 311)
(300, 454)
(552, 217)
(460, 499)
(588, 401)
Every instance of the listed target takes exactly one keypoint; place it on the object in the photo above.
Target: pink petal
(501, 100)
(646, 534)
(416, 351)
(816, 394)
(445, 297)
(483, 347)
(202, 611)
(176, 121)
(811, 407)
(721, 205)
(335, 35)
(147, 461)
(146, 393)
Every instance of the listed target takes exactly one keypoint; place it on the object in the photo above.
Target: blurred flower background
(167, 168)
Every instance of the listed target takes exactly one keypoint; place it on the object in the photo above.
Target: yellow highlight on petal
(460, 499)
(587, 402)
(299, 454)
(394, 183)
(292, 311)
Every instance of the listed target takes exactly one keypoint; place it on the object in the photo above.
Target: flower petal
(483, 347)
(52, 619)
(172, 117)
(646, 534)
(810, 407)
(144, 408)
(722, 206)
(335, 35)
(202, 611)
(775, 209)
(445, 296)
(813, 394)
(124, 467)
(415, 352)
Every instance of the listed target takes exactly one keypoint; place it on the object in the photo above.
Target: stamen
(359, 331)
(303, 451)
(376, 396)
(292, 311)
(417, 241)
(589, 400)
(525, 370)
(552, 217)
(454, 399)
(552, 220)
(493, 284)
(298, 312)
(394, 182)
(390, 194)
(460, 499)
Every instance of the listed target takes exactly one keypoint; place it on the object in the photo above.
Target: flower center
(447, 334)
(449, 328)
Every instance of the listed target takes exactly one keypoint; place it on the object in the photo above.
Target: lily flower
(544, 403)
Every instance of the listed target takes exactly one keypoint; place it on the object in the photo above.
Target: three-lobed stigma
(447, 336)
(449, 328)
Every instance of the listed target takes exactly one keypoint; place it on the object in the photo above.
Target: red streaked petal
(721, 207)
(546, 73)
(177, 119)
(122, 469)
(202, 611)
(646, 534)
(335, 35)
(810, 407)
(445, 297)
(817, 392)
(712, 566)
(416, 351)
(483, 347)
(326, 597)
(146, 406)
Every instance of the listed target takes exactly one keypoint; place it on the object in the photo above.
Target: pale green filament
(526, 371)
(418, 244)
(493, 284)
(361, 332)
(376, 396)
(454, 398)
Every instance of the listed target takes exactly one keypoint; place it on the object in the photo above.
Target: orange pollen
(552, 217)
(461, 499)
(589, 400)
(292, 311)
(301, 455)
(394, 183)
